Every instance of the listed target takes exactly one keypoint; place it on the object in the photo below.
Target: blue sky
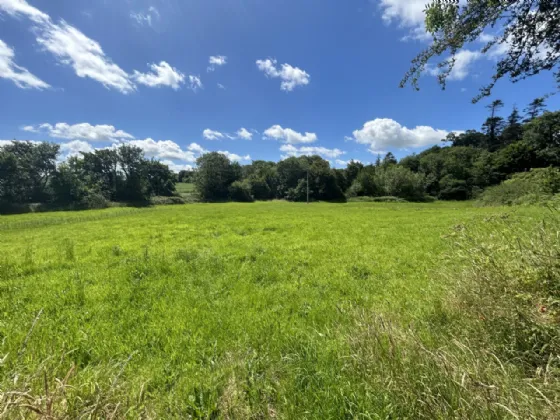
(255, 79)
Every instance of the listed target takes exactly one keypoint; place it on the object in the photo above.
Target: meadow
(263, 310)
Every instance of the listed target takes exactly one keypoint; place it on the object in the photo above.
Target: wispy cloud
(291, 150)
(86, 57)
(242, 134)
(146, 18)
(19, 75)
(195, 83)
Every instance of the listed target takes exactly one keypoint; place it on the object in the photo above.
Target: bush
(355, 190)
(93, 200)
(537, 186)
(7, 207)
(240, 191)
(164, 200)
(388, 199)
(366, 199)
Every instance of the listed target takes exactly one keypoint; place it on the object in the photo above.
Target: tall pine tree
(534, 109)
(514, 130)
(494, 125)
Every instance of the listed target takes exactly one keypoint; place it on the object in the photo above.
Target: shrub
(163, 200)
(536, 186)
(387, 199)
(93, 200)
(355, 190)
(240, 191)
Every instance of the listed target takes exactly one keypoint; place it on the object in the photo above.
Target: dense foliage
(29, 174)
(539, 186)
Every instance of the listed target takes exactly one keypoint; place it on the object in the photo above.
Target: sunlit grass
(232, 310)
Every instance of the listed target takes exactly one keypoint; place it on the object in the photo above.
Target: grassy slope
(226, 309)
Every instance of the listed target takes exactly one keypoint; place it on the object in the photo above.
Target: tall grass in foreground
(236, 330)
(498, 353)
(511, 283)
(505, 274)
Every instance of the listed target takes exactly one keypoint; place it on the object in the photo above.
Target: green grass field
(265, 310)
(185, 188)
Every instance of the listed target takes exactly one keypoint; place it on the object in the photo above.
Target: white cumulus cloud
(234, 157)
(19, 75)
(177, 167)
(287, 135)
(74, 148)
(291, 150)
(167, 149)
(197, 148)
(82, 131)
(407, 14)
(383, 133)
(216, 61)
(8, 142)
(161, 74)
(212, 134)
(244, 134)
(291, 77)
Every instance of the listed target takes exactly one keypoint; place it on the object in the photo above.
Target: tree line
(30, 173)
(459, 169)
